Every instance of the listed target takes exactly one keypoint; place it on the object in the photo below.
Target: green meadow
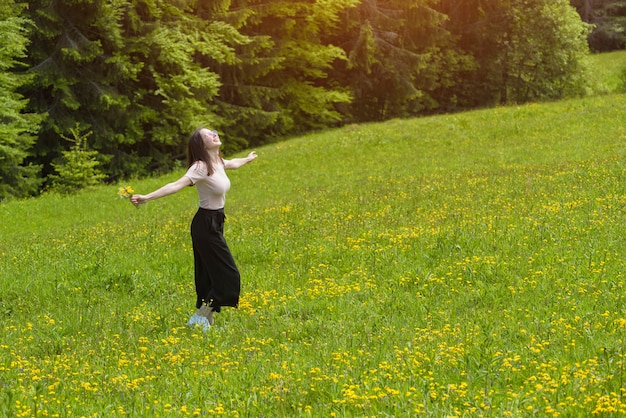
(608, 72)
(468, 264)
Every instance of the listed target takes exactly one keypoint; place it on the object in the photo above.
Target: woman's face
(211, 139)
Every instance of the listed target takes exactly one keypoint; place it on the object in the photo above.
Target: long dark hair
(197, 152)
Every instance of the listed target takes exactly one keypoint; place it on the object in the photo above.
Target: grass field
(608, 72)
(461, 265)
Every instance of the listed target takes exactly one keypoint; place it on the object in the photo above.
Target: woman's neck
(214, 155)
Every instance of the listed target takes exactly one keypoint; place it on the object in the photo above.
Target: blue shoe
(199, 320)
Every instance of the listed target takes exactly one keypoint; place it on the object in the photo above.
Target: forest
(104, 90)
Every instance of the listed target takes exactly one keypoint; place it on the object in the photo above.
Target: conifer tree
(17, 129)
(399, 54)
(280, 83)
(79, 168)
(130, 71)
(609, 22)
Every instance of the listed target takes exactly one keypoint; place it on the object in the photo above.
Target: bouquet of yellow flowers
(125, 192)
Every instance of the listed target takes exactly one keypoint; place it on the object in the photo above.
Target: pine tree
(609, 20)
(279, 85)
(399, 53)
(79, 168)
(132, 72)
(17, 129)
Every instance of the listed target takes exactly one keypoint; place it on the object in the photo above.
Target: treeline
(131, 79)
(608, 18)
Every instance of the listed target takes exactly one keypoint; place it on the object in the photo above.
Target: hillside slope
(460, 264)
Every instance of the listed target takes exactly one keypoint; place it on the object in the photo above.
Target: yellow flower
(125, 192)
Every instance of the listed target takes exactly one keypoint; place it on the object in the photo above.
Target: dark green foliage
(132, 72)
(17, 129)
(141, 75)
(609, 20)
(399, 54)
(523, 49)
(279, 86)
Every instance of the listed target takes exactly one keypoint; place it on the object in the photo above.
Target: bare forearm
(238, 162)
(166, 190)
(235, 163)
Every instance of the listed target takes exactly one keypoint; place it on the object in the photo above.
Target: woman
(216, 275)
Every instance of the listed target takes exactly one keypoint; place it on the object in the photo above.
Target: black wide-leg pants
(218, 282)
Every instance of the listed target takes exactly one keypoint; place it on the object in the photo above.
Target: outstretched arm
(168, 189)
(235, 163)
